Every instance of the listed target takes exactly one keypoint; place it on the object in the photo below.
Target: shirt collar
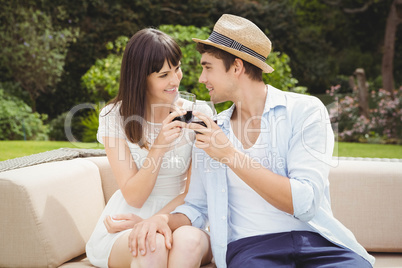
(224, 117)
(275, 97)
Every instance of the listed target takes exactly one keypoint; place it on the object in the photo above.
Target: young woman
(150, 154)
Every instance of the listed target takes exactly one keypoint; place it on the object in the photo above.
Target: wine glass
(207, 108)
(185, 101)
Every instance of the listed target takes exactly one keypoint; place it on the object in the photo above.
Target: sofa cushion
(389, 260)
(49, 211)
(366, 197)
(109, 184)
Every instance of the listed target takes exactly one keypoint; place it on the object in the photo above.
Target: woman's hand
(170, 130)
(121, 222)
(145, 232)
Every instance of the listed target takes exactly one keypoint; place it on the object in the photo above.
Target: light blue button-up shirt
(299, 146)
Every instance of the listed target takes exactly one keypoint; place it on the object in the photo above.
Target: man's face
(216, 79)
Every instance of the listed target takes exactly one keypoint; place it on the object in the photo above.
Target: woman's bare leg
(120, 256)
(191, 248)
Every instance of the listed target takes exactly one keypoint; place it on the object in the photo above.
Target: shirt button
(223, 217)
(223, 190)
(222, 245)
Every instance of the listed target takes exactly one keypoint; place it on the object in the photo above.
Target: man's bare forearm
(177, 220)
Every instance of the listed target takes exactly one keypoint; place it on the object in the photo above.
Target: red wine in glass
(202, 123)
(188, 117)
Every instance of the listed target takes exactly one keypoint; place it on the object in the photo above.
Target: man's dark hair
(252, 71)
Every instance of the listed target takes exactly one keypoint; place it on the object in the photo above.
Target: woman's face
(163, 86)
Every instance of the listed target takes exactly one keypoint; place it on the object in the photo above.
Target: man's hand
(212, 139)
(146, 231)
(121, 222)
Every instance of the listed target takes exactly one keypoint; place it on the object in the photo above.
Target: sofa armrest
(366, 198)
(48, 212)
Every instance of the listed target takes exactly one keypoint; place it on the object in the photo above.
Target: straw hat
(242, 38)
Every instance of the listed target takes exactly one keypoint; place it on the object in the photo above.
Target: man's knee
(188, 238)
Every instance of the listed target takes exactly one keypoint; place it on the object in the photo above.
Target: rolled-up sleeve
(303, 199)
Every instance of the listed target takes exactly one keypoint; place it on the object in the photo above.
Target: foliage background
(318, 44)
(384, 123)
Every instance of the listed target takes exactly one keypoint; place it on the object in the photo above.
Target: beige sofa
(48, 210)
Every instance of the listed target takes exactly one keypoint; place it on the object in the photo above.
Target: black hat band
(220, 39)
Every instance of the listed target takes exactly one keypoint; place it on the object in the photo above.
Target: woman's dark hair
(251, 70)
(144, 54)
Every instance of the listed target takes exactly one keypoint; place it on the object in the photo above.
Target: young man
(260, 177)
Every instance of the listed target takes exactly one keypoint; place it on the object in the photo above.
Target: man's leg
(273, 250)
(313, 250)
(191, 248)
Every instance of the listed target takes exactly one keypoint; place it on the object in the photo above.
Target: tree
(323, 42)
(387, 70)
(394, 18)
(32, 49)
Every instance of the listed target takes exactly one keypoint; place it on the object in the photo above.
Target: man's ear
(238, 65)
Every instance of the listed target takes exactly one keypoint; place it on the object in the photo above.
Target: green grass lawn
(368, 150)
(13, 149)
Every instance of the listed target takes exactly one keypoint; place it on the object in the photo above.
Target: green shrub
(80, 124)
(281, 77)
(17, 121)
(90, 124)
(102, 79)
(57, 131)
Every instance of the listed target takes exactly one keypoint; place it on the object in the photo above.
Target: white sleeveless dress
(170, 182)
